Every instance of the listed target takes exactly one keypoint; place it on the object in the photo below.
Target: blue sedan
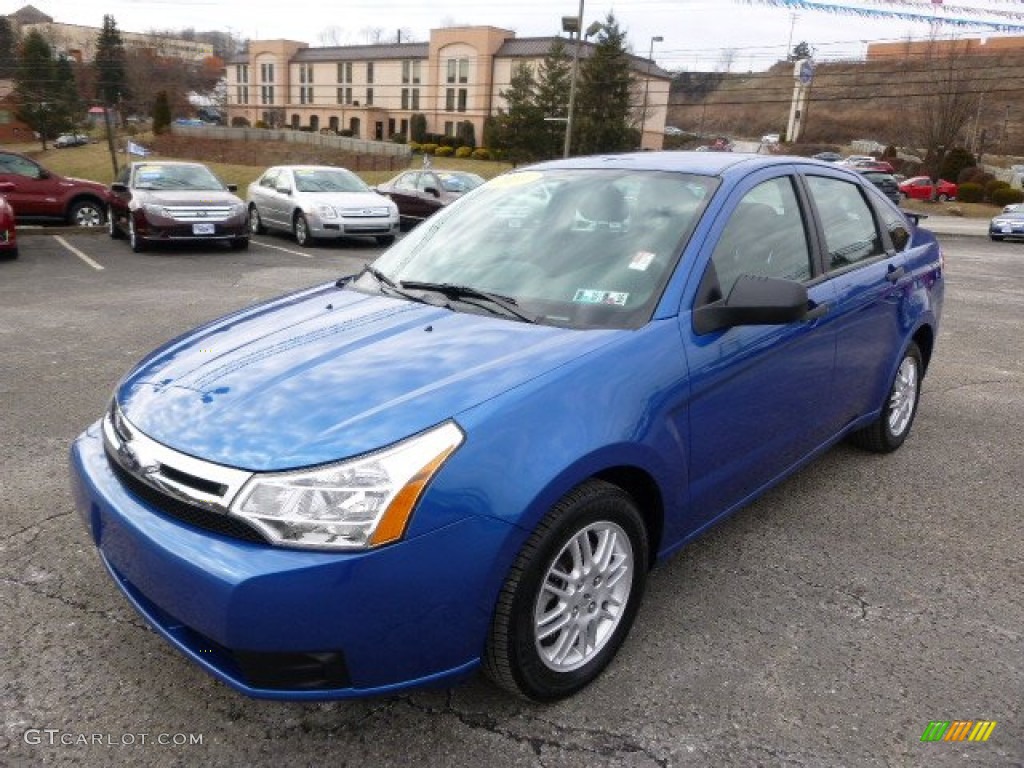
(471, 453)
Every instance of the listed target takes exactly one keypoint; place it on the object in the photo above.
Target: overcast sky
(698, 34)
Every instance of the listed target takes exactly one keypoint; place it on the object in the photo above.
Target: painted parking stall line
(279, 248)
(78, 253)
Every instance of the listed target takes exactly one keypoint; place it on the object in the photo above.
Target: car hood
(185, 197)
(346, 200)
(329, 373)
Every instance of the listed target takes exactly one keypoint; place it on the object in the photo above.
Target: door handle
(895, 273)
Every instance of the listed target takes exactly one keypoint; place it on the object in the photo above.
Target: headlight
(361, 503)
(326, 212)
(156, 210)
(238, 209)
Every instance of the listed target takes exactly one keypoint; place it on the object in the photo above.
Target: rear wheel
(86, 213)
(301, 228)
(888, 432)
(570, 599)
(943, 198)
(996, 237)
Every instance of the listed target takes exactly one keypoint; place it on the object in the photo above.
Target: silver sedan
(316, 202)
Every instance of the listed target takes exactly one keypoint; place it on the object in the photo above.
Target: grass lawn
(93, 161)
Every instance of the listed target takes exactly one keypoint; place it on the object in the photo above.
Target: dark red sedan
(8, 239)
(421, 193)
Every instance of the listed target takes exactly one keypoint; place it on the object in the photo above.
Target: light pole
(647, 83)
(575, 24)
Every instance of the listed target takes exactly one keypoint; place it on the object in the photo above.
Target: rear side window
(851, 234)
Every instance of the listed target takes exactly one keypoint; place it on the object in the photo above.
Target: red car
(8, 240)
(874, 165)
(37, 193)
(920, 188)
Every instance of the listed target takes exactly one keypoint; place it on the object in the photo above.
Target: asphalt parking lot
(827, 624)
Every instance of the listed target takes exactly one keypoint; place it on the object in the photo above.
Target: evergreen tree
(35, 86)
(70, 109)
(554, 77)
(111, 87)
(161, 113)
(521, 121)
(8, 50)
(418, 127)
(603, 121)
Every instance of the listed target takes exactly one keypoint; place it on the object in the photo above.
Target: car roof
(699, 163)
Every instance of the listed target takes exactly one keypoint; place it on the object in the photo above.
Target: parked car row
(70, 140)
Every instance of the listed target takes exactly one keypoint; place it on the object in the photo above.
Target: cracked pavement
(825, 625)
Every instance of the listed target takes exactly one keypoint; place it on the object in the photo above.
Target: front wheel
(112, 229)
(570, 599)
(86, 213)
(256, 225)
(302, 234)
(892, 426)
(138, 245)
(943, 198)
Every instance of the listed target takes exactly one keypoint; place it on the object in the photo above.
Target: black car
(886, 182)
(828, 157)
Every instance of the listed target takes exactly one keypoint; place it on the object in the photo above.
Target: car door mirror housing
(432, 191)
(284, 189)
(232, 187)
(754, 301)
(119, 188)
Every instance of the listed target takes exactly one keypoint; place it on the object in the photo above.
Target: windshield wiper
(387, 285)
(507, 304)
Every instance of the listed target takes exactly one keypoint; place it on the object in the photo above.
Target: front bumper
(326, 229)
(292, 624)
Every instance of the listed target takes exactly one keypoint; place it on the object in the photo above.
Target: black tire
(240, 244)
(138, 245)
(997, 238)
(112, 229)
(385, 240)
(87, 213)
(943, 198)
(255, 222)
(891, 428)
(300, 228)
(518, 657)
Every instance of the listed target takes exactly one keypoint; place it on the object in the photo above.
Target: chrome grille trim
(360, 213)
(193, 213)
(166, 470)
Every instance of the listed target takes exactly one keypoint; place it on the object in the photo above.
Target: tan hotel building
(374, 90)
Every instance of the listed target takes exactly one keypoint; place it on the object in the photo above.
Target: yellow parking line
(77, 252)
(279, 248)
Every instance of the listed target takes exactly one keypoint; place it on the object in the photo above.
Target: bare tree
(947, 101)
(726, 59)
(372, 35)
(332, 36)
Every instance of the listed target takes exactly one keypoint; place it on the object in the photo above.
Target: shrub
(464, 152)
(481, 153)
(968, 175)
(418, 127)
(444, 151)
(415, 146)
(1006, 195)
(347, 132)
(261, 124)
(970, 192)
(994, 186)
(239, 122)
(398, 138)
(955, 161)
(428, 149)
(466, 133)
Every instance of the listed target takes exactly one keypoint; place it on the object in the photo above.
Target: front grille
(192, 213)
(190, 514)
(359, 213)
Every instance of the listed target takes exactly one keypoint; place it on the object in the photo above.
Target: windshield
(575, 248)
(188, 177)
(327, 180)
(460, 182)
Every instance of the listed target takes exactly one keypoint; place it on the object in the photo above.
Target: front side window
(763, 237)
(851, 234)
(19, 166)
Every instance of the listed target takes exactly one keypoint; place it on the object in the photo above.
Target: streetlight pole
(572, 80)
(647, 83)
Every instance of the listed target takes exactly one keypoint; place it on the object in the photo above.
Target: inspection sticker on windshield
(590, 296)
(641, 261)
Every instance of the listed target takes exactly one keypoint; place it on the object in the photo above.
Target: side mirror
(754, 301)
(284, 189)
(119, 188)
(232, 187)
(432, 191)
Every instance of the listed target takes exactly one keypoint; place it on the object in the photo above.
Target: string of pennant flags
(992, 19)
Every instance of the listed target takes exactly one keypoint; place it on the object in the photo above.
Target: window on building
(405, 98)
(266, 73)
(345, 95)
(306, 94)
(411, 72)
(449, 128)
(415, 99)
(369, 73)
(449, 100)
(463, 99)
(305, 73)
(242, 73)
(391, 126)
(242, 94)
(404, 129)
(344, 71)
(457, 71)
(266, 94)
(369, 96)
(452, 64)
(463, 70)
